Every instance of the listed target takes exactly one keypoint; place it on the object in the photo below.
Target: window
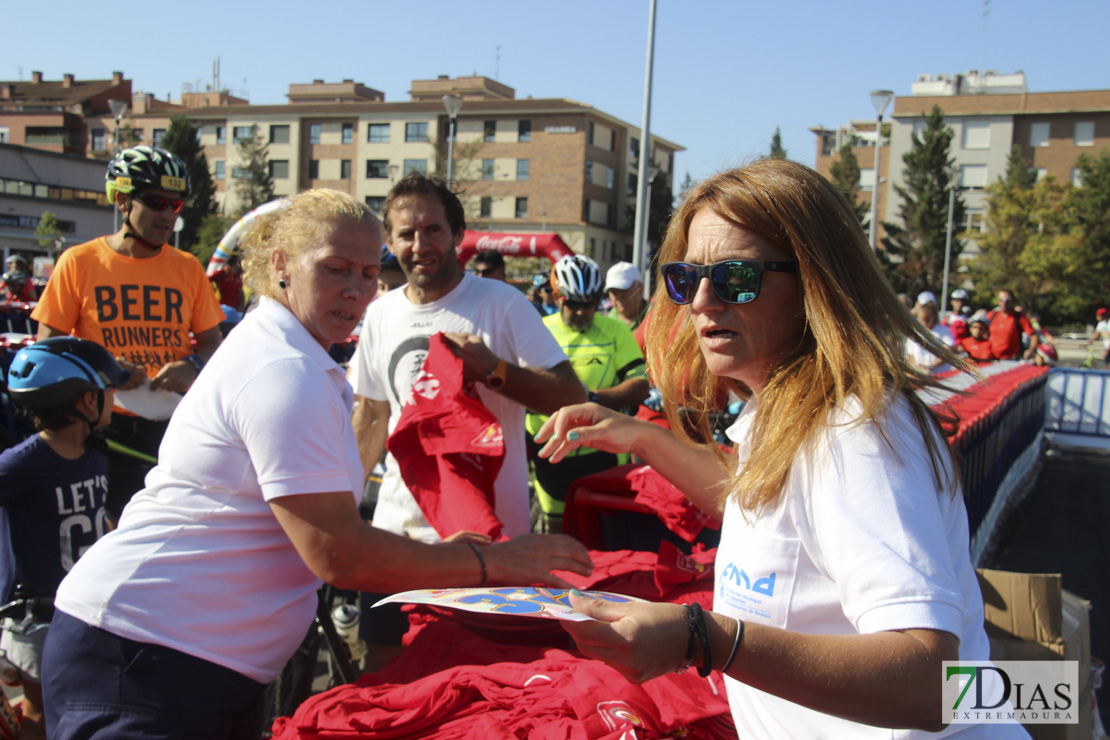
(521, 208)
(489, 131)
(314, 130)
(977, 135)
(918, 129)
(159, 134)
(344, 169)
(416, 131)
(634, 147)
(5, 134)
(375, 203)
(98, 137)
(1038, 134)
(589, 171)
(377, 133)
(313, 169)
(415, 165)
(279, 134)
(485, 208)
(867, 179)
(219, 169)
(242, 133)
(609, 179)
(612, 141)
(377, 168)
(279, 169)
(240, 173)
(487, 169)
(522, 166)
(590, 135)
(1084, 133)
(975, 221)
(1077, 177)
(633, 181)
(973, 176)
(348, 133)
(523, 131)
(221, 134)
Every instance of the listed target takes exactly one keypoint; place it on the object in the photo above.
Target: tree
(660, 208)
(181, 139)
(777, 152)
(684, 189)
(914, 250)
(49, 231)
(209, 233)
(1020, 245)
(256, 186)
(844, 173)
(128, 137)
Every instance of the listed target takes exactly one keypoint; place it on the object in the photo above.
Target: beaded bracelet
(481, 561)
(703, 636)
(735, 645)
(689, 643)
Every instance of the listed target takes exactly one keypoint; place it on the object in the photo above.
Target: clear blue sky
(727, 72)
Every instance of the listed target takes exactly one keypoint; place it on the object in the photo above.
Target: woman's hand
(641, 641)
(530, 559)
(587, 425)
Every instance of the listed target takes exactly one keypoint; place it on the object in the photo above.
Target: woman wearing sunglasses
(843, 578)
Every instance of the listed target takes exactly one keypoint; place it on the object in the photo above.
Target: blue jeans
(100, 685)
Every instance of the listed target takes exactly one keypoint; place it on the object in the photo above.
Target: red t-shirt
(228, 286)
(1006, 331)
(977, 349)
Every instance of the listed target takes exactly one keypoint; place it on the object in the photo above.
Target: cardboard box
(1030, 617)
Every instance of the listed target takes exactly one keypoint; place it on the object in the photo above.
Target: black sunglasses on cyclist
(160, 203)
(734, 281)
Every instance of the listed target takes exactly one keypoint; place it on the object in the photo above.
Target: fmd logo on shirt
(741, 579)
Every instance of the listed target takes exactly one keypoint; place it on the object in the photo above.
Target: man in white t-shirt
(505, 349)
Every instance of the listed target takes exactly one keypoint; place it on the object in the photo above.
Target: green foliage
(181, 139)
(256, 187)
(49, 230)
(913, 255)
(128, 137)
(844, 173)
(777, 152)
(212, 229)
(660, 209)
(684, 189)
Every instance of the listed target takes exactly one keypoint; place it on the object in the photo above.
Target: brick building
(989, 114)
(520, 165)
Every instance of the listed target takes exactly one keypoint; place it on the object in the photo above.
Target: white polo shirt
(199, 562)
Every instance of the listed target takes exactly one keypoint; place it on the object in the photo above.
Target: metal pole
(451, 153)
(873, 233)
(947, 250)
(639, 236)
(115, 209)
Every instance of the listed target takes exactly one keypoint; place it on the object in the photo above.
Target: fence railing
(1078, 402)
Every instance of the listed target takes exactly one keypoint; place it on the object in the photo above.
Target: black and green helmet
(146, 168)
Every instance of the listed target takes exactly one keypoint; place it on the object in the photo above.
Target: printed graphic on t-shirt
(757, 579)
(405, 366)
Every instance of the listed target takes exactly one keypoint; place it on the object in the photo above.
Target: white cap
(926, 297)
(622, 275)
(959, 294)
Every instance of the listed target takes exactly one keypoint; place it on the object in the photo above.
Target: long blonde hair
(852, 345)
(302, 222)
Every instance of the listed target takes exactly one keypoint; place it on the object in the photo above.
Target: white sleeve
(363, 379)
(879, 528)
(292, 421)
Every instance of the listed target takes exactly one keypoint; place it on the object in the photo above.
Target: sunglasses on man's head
(160, 203)
(734, 281)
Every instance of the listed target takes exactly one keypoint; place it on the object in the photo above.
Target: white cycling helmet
(577, 278)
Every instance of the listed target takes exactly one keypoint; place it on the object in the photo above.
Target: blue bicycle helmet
(53, 371)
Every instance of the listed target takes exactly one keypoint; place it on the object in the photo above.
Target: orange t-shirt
(139, 309)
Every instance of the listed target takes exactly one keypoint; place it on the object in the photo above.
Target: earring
(282, 284)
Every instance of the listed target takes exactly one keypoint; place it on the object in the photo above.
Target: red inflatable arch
(512, 245)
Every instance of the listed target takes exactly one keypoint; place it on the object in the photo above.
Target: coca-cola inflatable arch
(512, 245)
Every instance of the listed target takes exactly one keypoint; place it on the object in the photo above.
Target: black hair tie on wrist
(690, 642)
(481, 561)
(703, 636)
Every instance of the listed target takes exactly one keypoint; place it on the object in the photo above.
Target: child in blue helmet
(52, 492)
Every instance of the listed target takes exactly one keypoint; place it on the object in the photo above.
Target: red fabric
(977, 349)
(677, 512)
(25, 294)
(228, 286)
(957, 324)
(961, 414)
(449, 448)
(1006, 331)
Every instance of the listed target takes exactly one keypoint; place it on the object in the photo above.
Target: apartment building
(520, 165)
(989, 113)
(50, 114)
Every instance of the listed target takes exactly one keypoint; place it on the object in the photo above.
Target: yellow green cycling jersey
(603, 356)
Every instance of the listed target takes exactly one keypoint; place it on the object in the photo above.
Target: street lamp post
(453, 104)
(880, 99)
(638, 236)
(948, 244)
(118, 109)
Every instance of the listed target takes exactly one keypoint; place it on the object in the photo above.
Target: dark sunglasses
(734, 281)
(579, 305)
(160, 203)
